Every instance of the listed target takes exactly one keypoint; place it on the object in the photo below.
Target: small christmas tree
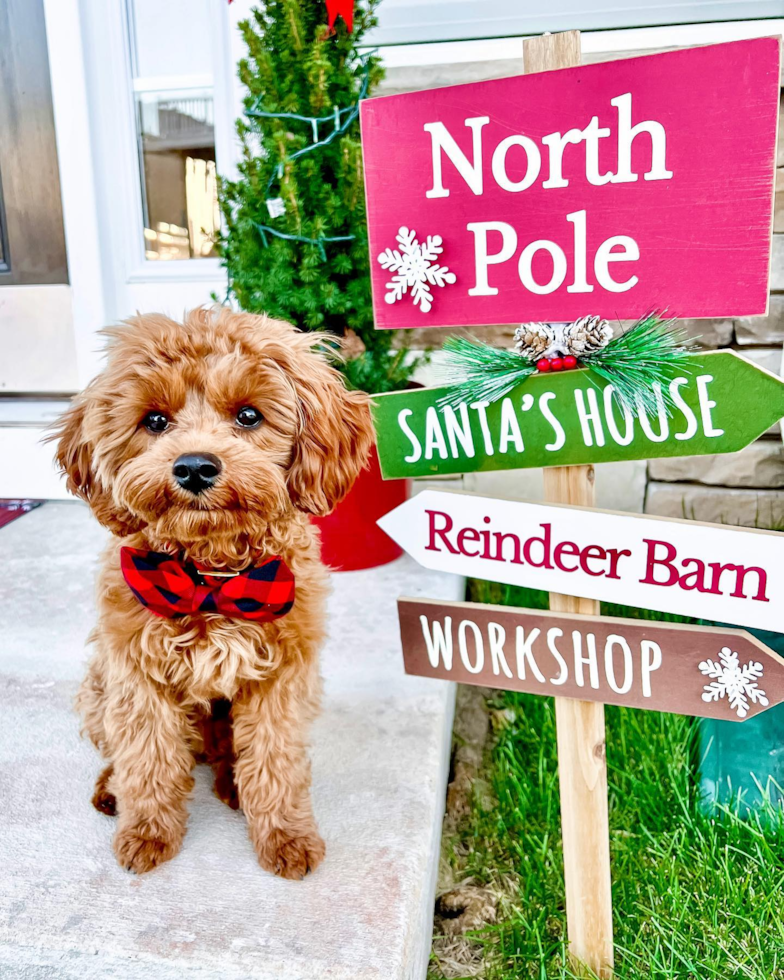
(295, 244)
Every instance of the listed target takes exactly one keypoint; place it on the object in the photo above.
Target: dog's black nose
(196, 472)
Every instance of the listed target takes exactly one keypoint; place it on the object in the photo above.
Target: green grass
(695, 896)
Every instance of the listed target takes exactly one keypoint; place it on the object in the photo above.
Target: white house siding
(417, 21)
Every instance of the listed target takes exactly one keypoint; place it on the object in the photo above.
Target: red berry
(569, 362)
(543, 365)
(556, 363)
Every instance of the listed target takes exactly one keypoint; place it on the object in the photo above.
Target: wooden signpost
(687, 670)
(551, 196)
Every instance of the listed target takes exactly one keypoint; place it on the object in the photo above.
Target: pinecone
(587, 335)
(352, 345)
(531, 340)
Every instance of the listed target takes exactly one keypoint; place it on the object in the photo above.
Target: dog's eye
(249, 417)
(156, 421)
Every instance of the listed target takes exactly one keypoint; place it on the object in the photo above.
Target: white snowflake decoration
(738, 684)
(415, 268)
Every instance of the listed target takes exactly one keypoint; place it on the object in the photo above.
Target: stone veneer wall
(747, 487)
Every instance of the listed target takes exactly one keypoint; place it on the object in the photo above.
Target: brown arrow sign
(688, 670)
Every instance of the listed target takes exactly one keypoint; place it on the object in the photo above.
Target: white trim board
(408, 22)
(77, 180)
(31, 411)
(32, 473)
(595, 44)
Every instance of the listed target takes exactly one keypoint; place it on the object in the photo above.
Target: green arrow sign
(722, 402)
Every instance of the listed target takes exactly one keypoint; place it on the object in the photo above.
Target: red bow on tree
(171, 588)
(340, 8)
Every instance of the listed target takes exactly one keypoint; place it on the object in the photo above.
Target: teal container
(742, 764)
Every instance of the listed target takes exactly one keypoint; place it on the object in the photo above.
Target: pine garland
(639, 364)
(480, 372)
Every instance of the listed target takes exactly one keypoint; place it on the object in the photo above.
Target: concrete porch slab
(380, 758)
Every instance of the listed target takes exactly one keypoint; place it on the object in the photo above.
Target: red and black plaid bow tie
(172, 588)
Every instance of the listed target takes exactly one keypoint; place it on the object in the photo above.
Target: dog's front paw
(141, 851)
(290, 856)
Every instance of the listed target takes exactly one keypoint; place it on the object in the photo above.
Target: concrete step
(380, 754)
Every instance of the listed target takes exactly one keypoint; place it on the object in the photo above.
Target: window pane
(172, 37)
(170, 49)
(177, 139)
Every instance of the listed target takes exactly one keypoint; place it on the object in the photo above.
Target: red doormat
(11, 509)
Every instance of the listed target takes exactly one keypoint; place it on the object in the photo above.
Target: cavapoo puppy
(204, 446)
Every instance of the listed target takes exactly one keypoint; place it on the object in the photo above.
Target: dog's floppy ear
(74, 456)
(336, 436)
(74, 452)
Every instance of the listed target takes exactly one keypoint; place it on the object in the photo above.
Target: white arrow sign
(708, 571)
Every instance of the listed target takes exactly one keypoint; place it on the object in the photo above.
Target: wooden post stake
(582, 766)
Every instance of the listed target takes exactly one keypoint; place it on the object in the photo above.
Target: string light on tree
(276, 207)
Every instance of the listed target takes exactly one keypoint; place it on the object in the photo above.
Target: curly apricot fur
(161, 694)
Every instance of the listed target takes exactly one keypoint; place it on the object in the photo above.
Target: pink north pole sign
(613, 188)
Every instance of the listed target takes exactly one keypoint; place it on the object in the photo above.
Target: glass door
(37, 351)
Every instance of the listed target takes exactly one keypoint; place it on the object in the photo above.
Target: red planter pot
(350, 537)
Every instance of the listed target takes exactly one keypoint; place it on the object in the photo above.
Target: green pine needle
(480, 372)
(640, 363)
